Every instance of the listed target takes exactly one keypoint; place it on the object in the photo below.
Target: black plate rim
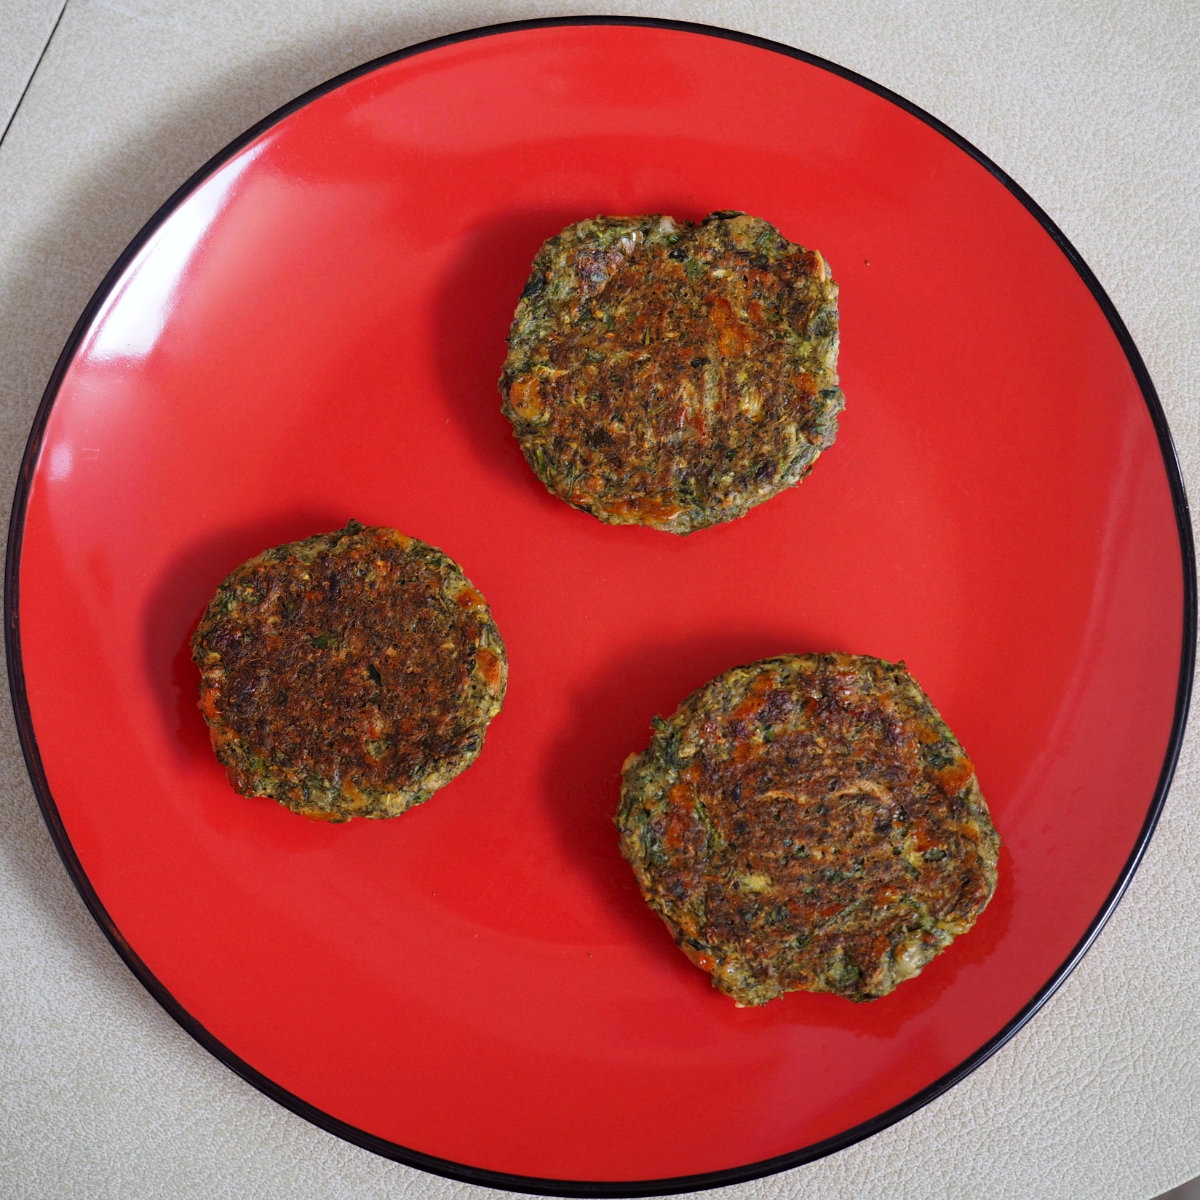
(481, 1176)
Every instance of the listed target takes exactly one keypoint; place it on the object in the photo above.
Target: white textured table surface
(1091, 108)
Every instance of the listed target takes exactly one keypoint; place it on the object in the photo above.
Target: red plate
(312, 329)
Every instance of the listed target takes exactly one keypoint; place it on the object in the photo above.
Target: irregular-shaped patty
(809, 822)
(350, 674)
(673, 374)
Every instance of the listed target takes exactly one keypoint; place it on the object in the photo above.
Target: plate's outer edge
(481, 1176)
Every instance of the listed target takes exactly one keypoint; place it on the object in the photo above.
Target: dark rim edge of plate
(480, 1176)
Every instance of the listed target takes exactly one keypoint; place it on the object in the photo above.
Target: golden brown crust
(349, 674)
(673, 375)
(809, 822)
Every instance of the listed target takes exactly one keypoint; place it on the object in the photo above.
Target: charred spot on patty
(349, 674)
(808, 823)
(671, 374)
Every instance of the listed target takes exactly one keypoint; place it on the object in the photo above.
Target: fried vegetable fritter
(809, 822)
(349, 674)
(673, 374)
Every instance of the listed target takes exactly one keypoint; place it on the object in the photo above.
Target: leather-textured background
(1090, 107)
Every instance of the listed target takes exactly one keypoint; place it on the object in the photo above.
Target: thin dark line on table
(24, 91)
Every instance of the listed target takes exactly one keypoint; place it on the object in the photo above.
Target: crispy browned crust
(809, 822)
(673, 375)
(350, 674)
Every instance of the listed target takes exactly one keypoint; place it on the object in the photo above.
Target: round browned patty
(672, 374)
(809, 822)
(349, 674)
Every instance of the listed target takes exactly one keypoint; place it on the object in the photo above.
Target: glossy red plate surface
(312, 330)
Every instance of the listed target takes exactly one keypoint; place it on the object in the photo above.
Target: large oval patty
(350, 674)
(809, 822)
(673, 374)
